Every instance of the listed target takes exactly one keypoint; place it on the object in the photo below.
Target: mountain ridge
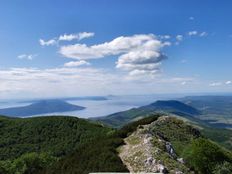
(171, 106)
(63, 145)
(170, 145)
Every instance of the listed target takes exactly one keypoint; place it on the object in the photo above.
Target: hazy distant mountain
(171, 106)
(210, 104)
(174, 106)
(216, 110)
(41, 107)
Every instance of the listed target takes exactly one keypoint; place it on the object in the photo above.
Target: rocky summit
(148, 149)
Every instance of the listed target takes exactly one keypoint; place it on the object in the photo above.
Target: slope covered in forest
(28, 145)
(171, 106)
(63, 145)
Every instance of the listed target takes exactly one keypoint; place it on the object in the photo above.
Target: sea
(97, 108)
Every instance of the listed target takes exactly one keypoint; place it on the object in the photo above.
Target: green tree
(224, 168)
(28, 163)
(205, 155)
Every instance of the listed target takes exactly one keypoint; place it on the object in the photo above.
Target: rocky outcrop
(170, 150)
(149, 151)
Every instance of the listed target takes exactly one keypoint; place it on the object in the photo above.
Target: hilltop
(171, 106)
(182, 110)
(169, 145)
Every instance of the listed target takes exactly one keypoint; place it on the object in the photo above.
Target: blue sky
(101, 47)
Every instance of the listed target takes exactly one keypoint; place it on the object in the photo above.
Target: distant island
(41, 107)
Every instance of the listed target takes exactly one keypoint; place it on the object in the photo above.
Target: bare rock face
(181, 160)
(156, 166)
(146, 151)
(170, 150)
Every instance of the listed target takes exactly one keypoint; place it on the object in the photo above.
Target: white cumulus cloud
(165, 37)
(192, 33)
(78, 36)
(72, 81)
(76, 63)
(69, 37)
(215, 84)
(203, 34)
(179, 37)
(196, 33)
(84, 35)
(138, 54)
(66, 37)
(47, 43)
(27, 56)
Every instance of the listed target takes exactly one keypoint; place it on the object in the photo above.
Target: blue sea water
(96, 108)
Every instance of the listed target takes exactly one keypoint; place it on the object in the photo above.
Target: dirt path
(146, 151)
(138, 151)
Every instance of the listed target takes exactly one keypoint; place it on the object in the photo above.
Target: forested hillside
(29, 145)
(64, 145)
(170, 106)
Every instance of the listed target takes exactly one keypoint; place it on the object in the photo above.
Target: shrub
(204, 155)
